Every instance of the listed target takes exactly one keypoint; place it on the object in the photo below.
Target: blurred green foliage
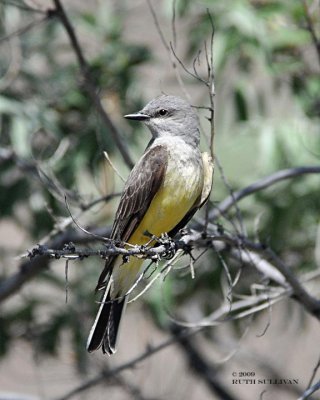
(267, 108)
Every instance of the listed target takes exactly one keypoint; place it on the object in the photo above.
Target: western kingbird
(170, 182)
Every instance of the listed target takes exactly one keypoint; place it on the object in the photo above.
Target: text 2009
(246, 373)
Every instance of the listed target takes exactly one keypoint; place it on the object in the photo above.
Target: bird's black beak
(137, 117)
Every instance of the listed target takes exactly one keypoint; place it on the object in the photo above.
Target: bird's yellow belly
(171, 203)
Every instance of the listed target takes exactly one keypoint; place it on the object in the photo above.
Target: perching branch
(167, 248)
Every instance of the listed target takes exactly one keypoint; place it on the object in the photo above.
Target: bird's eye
(163, 112)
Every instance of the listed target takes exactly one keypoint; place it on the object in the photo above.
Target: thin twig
(173, 23)
(113, 166)
(211, 93)
(240, 231)
(85, 231)
(61, 225)
(314, 372)
(211, 87)
(164, 271)
(157, 24)
(23, 7)
(25, 29)
(185, 68)
(167, 47)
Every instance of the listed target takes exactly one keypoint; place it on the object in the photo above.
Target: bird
(169, 183)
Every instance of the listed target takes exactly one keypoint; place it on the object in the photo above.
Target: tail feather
(105, 329)
(111, 334)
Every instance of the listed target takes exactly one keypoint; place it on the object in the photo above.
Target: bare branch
(263, 266)
(200, 365)
(311, 304)
(69, 251)
(107, 373)
(314, 388)
(88, 85)
(261, 184)
(311, 28)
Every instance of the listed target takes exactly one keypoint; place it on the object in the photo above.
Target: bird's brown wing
(140, 188)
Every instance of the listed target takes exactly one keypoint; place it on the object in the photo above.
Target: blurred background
(52, 138)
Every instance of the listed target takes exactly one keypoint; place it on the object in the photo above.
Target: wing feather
(142, 185)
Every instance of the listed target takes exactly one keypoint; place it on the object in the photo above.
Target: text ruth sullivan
(265, 381)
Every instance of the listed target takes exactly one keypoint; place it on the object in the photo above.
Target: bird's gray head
(170, 116)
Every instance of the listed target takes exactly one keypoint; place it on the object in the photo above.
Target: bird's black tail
(105, 329)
